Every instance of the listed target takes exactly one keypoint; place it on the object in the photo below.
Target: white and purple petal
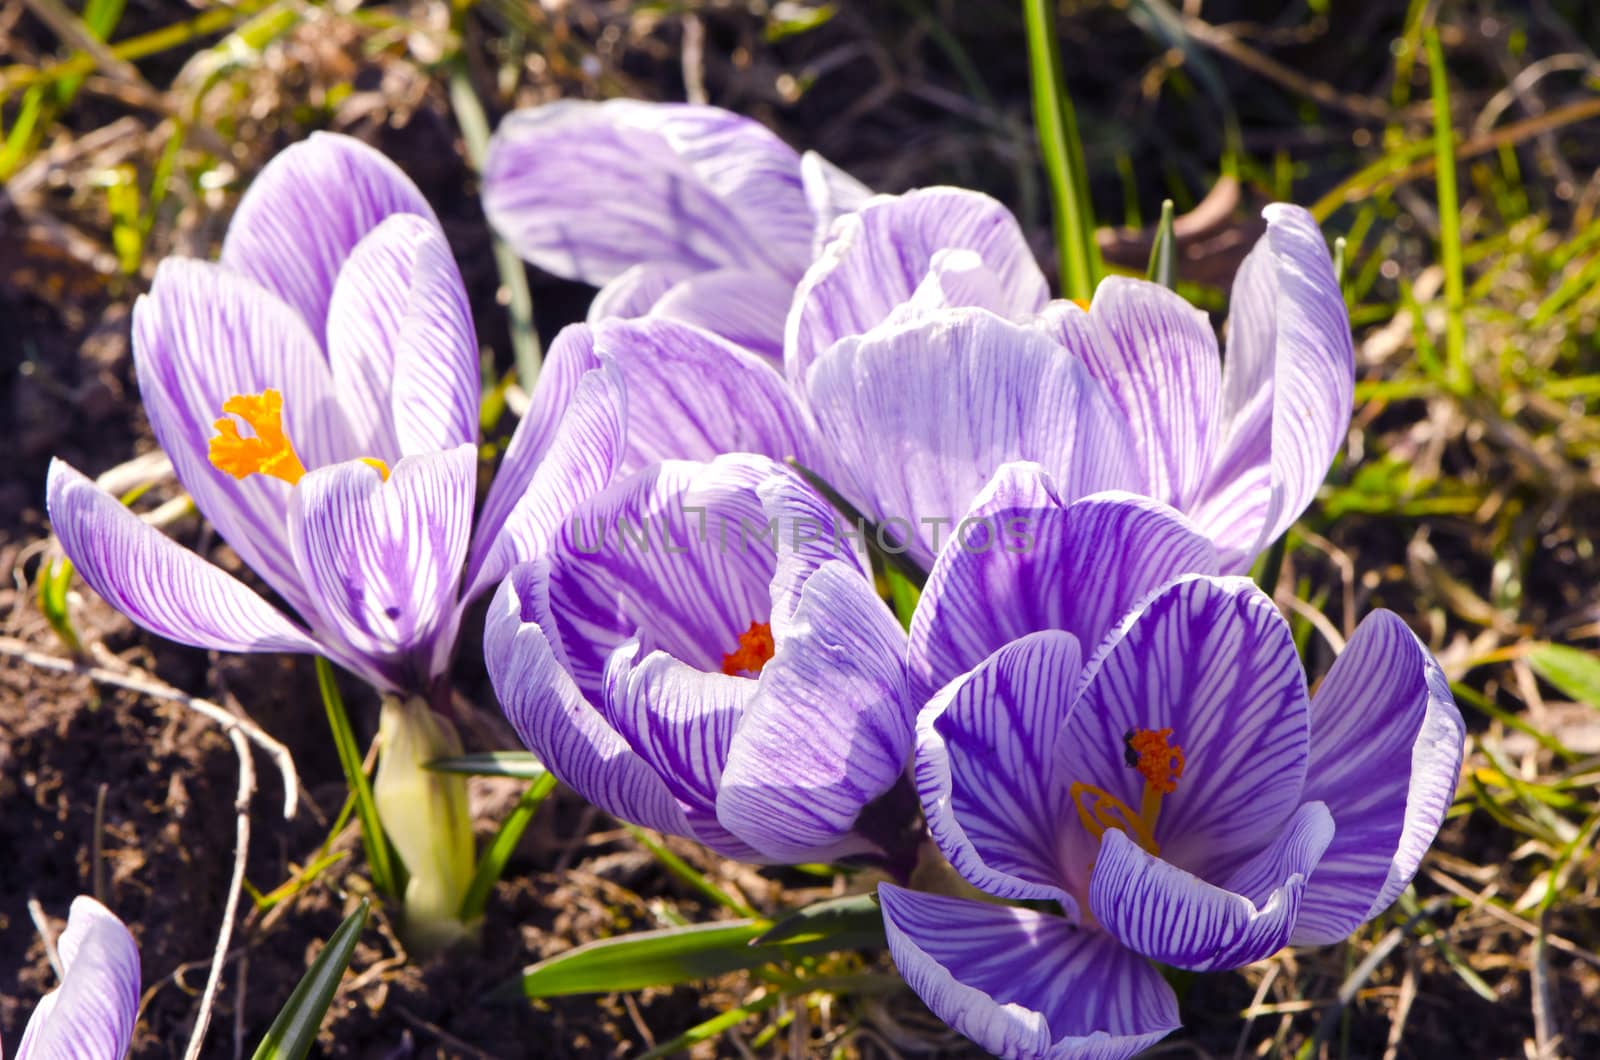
(92, 1014)
(830, 727)
(1287, 387)
(1026, 985)
(305, 213)
(155, 581)
(878, 256)
(572, 739)
(831, 193)
(918, 417)
(384, 557)
(1162, 912)
(1386, 746)
(995, 803)
(587, 190)
(401, 342)
(1024, 560)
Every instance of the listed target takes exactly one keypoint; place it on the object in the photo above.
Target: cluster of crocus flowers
(90, 1016)
(1092, 707)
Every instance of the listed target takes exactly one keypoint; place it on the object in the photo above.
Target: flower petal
(831, 193)
(1287, 387)
(551, 717)
(985, 768)
(1386, 745)
(1212, 660)
(586, 190)
(680, 722)
(830, 728)
(566, 449)
(1024, 984)
(305, 213)
(157, 582)
(92, 1014)
(1157, 357)
(1023, 560)
(878, 256)
(919, 417)
(746, 308)
(636, 290)
(401, 342)
(202, 335)
(384, 557)
(1157, 909)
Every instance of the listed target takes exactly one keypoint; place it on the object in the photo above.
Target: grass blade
(1062, 152)
(295, 1030)
(687, 873)
(373, 841)
(519, 765)
(493, 862)
(1444, 149)
(1164, 251)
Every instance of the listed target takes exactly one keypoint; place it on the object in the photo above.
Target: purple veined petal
(1157, 357)
(401, 342)
(955, 278)
(155, 581)
(636, 290)
(1214, 661)
(551, 717)
(1162, 912)
(1386, 745)
(692, 395)
(202, 335)
(661, 555)
(1023, 560)
(1288, 386)
(985, 769)
(587, 190)
(919, 417)
(306, 212)
(810, 533)
(570, 357)
(878, 256)
(1026, 985)
(384, 557)
(831, 193)
(581, 457)
(92, 1014)
(830, 727)
(680, 722)
(746, 308)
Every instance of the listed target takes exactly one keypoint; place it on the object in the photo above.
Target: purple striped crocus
(702, 651)
(317, 392)
(1121, 731)
(674, 210)
(90, 1016)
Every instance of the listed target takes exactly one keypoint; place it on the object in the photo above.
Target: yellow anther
(1081, 303)
(755, 648)
(268, 453)
(377, 465)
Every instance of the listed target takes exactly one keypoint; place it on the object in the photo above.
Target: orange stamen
(1160, 762)
(755, 648)
(1081, 303)
(268, 453)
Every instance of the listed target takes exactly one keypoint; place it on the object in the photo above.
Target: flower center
(269, 452)
(755, 648)
(1160, 762)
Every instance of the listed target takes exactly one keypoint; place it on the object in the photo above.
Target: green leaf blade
(293, 1033)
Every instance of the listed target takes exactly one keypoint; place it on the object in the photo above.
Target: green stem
(373, 841)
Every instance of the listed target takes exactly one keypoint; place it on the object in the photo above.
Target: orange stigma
(755, 648)
(268, 453)
(1160, 762)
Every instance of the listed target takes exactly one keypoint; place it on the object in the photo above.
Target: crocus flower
(317, 392)
(701, 651)
(675, 210)
(90, 1016)
(932, 300)
(1148, 759)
